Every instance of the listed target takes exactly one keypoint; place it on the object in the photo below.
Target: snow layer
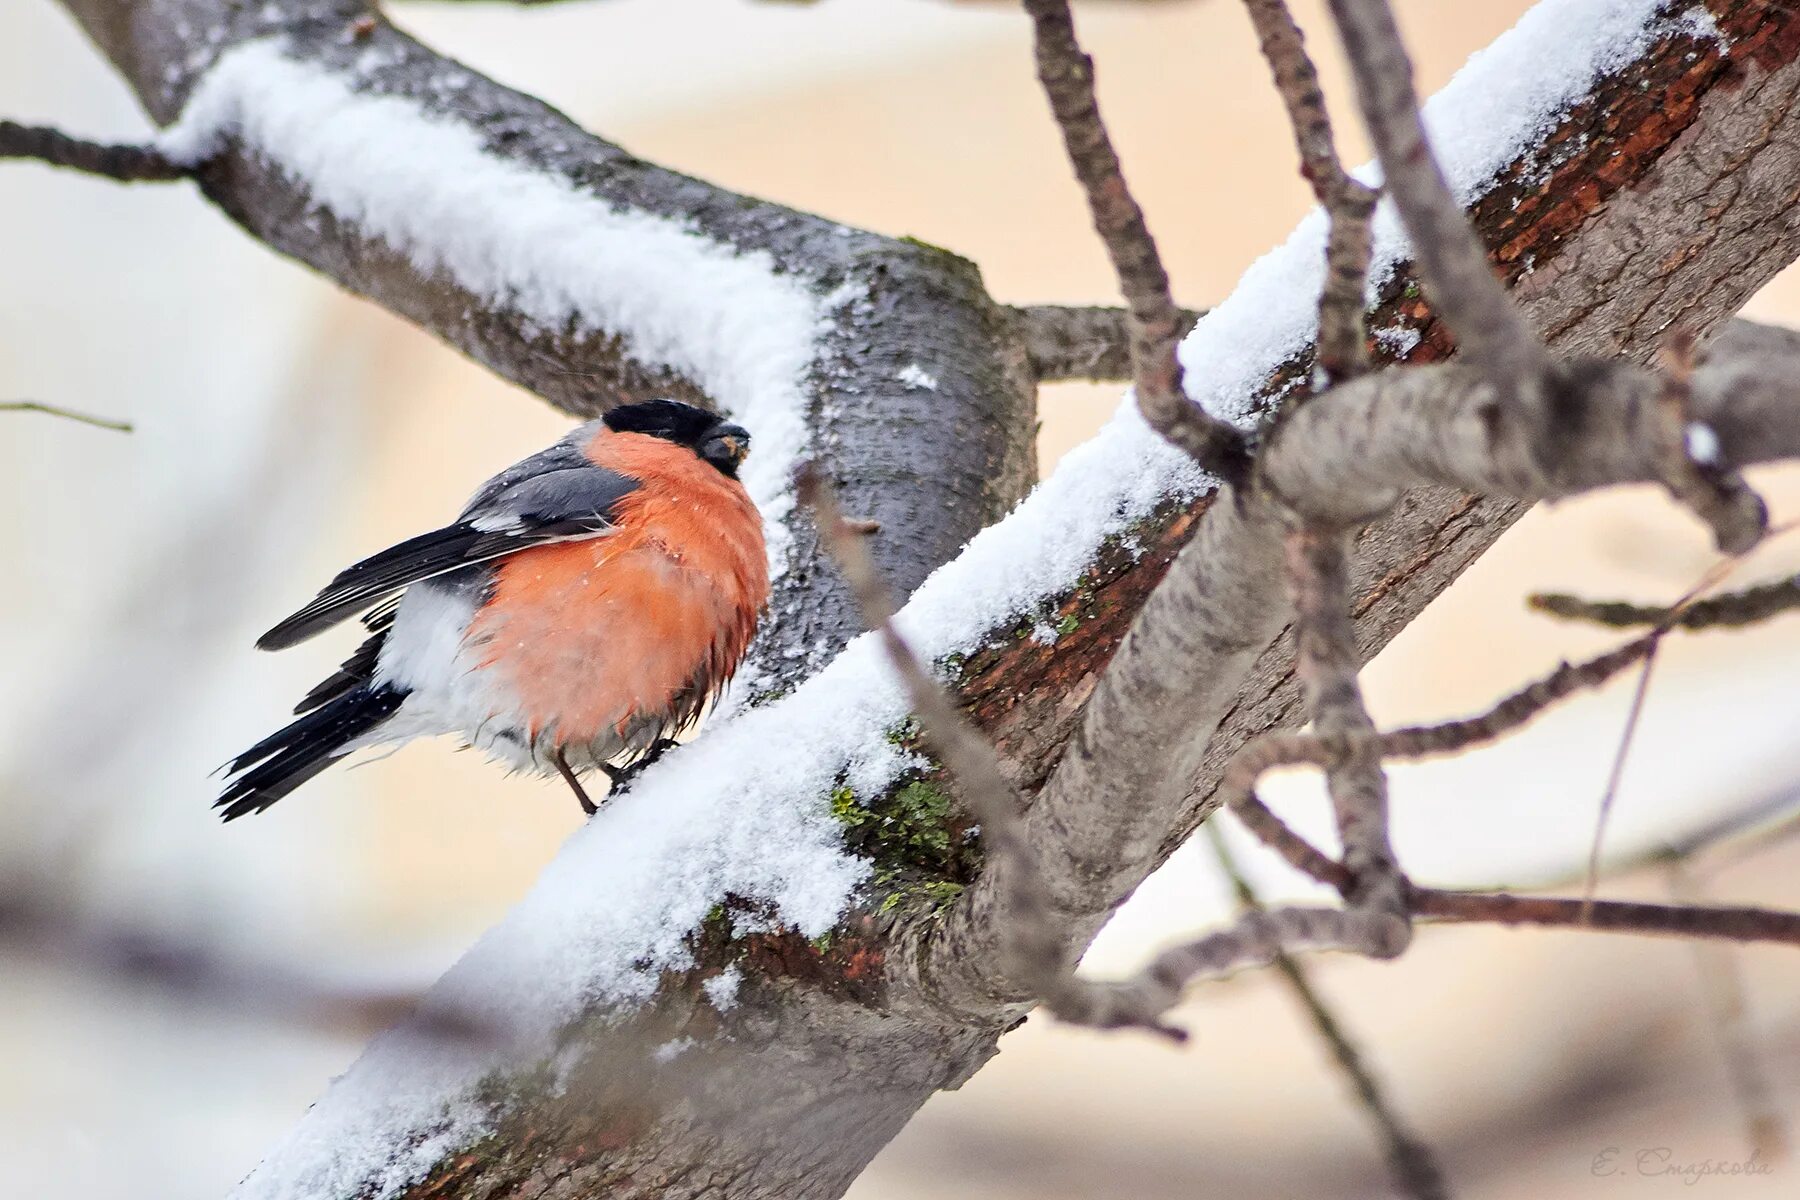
(1504, 99)
(427, 187)
(743, 810)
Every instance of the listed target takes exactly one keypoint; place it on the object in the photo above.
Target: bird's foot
(623, 777)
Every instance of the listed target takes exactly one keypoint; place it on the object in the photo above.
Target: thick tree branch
(1082, 342)
(884, 305)
(1082, 790)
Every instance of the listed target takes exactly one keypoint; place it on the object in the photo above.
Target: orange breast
(646, 622)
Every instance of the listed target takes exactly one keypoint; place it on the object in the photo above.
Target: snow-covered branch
(590, 276)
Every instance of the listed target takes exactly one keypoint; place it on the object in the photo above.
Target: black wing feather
(508, 515)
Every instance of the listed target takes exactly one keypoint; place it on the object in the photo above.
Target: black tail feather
(356, 672)
(292, 755)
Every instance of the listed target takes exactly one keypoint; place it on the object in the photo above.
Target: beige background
(285, 429)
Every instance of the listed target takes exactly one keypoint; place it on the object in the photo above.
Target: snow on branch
(1505, 99)
(527, 240)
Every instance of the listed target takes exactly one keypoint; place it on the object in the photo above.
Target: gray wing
(514, 511)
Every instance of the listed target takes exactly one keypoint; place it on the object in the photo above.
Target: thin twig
(1067, 75)
(124, 162)
(31, 927)
(1758, 841)
(1733, 923)
(1633, 716)
(1036, 956)
(1412, 1162)
(1736, 923)
(1728, 1007)
(1516, 710)
(1450, 258)
(1327, 664)
(1730, 610)
(66, 413)
(1349, 204)
(1237, 788)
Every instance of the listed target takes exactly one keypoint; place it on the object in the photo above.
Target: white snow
(671, 1050)
(1702, 443)
(742, 810)
(915, 376)
(1504, 99)
(1398, 341)
(722, 989)
(530, 241)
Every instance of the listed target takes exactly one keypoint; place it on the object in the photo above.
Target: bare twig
(66, 413)
(1155, 322)
(1414, 1166)
(1327, 665)
(126, 163)
(1079, 342)
(1717, 495)
(1730, 610)
(1036, 956)
(1756, 841)
(1735, 923)
(1727, 1006)
(30, 926)
(1462, 286)
(1633, 717)
(1343, 341)
(1420, 741)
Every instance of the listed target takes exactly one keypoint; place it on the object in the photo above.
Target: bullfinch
(587, 606)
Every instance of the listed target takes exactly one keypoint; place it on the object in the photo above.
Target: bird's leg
(623, 777)
(581, 796)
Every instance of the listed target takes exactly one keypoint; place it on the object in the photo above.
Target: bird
(586, 607)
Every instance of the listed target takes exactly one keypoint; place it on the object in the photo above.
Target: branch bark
(1082, 341)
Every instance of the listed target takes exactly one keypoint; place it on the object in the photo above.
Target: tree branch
(67, 414)
(1082, 342)
(125, 163)
(1729, 610)
(1451, 260)
(259, 94)
(1728, 923)
(1415, 1168)
(830, 1049)
(1067, 75)
(1350, 205)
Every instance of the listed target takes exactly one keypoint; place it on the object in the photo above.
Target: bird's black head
(720, 443)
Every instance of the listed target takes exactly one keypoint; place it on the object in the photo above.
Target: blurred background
(283, 429)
